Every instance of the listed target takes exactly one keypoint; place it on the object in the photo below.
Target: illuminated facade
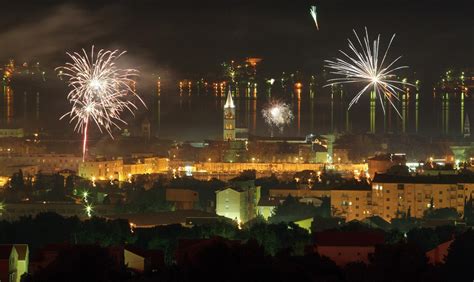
(238, 204)
(23, 260)
(397, 196)
(14, 211)
(299, 193)
(393, 196)
(216, 168)
(352, 202)
(146, 166)
(46, 163)
(266, 207)
(14, 260)
(12, 132)
(232, 203)
(182, 199)
(8, 263)
(117, 169)
(382, 162)
(101, 170)
(344, 247)
(229, 118)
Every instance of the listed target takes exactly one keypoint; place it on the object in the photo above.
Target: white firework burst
(100, 90)
(277, 114)
(365, 66)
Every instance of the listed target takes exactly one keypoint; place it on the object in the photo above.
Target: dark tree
(425, 238)
(398, 262)
(443, 214)
(291, 209)
(82, 263)
(459, 266)
(17, 182)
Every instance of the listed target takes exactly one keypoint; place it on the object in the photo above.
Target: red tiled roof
(269, 202)
(21, 249)
(5, 251)
(341, 238)
(163, 218)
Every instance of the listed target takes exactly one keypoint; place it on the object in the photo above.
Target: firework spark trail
(367, 68)
(313, 13)
(277, 114)
(100, 91)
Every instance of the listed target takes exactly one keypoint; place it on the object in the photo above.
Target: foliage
(82, 263)
(397, 262)
(291, 209)
(441, 214)
(277, 237)
(140, 200)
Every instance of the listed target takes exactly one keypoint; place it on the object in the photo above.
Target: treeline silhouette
(263, 252)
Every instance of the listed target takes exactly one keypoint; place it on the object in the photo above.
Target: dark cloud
(61, 28)
(193, 37)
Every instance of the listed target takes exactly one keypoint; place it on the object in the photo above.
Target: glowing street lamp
(85, 194)
(88, 209)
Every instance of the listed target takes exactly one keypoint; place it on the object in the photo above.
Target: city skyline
(322, 140)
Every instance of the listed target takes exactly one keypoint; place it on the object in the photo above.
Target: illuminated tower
(229, 118)
(404, 112)
(445, 113)
(467, 127)
(372, 111)
(462, 114)
(417, 106)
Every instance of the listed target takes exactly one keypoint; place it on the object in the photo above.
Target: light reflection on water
(197, 115)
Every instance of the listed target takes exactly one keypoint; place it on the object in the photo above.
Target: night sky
(189, 37)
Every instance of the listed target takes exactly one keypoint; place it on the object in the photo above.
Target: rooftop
(389, 157)
(349, 238)
(164, 218)
(269, 202)
(5, 251)
(229, 103)
(22, 250)
(354, 185)
(424, 179)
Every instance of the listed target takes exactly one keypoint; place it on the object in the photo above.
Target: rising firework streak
(313, 13)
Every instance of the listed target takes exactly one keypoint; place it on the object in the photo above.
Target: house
(402, 194)
(345, 247)
(439, 253)
(188, 251)
(305, 223)
(143, 260)
(23, 259)
(8, 263)
(14, 260)
(380, 163)
(299, 193)
(46, 255)
(266, 206)
(238, 203)
(182, 199)
(377, 222)
(352, 201)
(134, 258)
(183, 217)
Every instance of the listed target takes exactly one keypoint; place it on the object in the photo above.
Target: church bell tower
(229, 118)
(467, 127)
